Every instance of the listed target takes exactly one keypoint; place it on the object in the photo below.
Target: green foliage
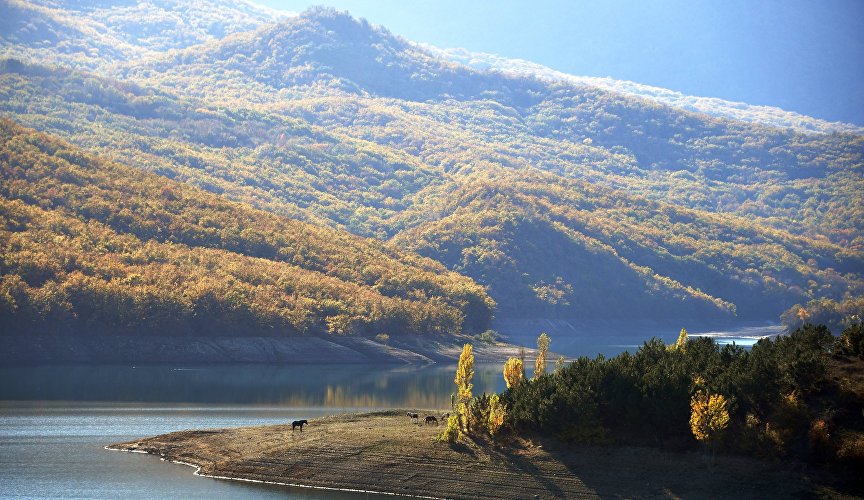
(478, 413)
(488, 337)
(559, 364)
(851, 341)
(776, 399)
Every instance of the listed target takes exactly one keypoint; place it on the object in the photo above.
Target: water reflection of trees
(330, 386)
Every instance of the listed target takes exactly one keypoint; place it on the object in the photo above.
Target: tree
(464, 374)
(559, 364)
(682, 339)
(522, 359)
(514, 372)
(709, 414)
(497, 414)
(851, 341)
(543, 342)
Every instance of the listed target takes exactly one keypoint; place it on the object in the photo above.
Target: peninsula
(387, 452)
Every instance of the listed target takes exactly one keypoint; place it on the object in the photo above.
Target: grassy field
(388, 452)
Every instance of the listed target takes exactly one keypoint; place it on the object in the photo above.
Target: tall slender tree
(682, 339)
(464, 374)
(543, 342)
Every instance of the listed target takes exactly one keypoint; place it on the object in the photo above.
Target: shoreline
(384, 453)
(198, 473)
(19, 350)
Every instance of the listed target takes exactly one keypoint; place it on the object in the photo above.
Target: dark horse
(298, 423)
(430, 419)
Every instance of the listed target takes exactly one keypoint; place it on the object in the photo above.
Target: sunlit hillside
(564, 199)
(94, 247)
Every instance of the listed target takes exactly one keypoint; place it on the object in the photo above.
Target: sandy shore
(386, 452)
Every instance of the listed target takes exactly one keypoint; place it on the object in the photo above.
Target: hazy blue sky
(805, 56)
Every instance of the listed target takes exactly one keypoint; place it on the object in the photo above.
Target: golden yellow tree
(543, 342)
(464, 374)
(709, 414)
(514, 372)
(682, 339)
(497, 414)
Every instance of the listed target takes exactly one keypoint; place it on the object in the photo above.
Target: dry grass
(386, 452)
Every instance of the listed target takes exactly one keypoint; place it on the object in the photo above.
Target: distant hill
(98, 33)
(90, 246)
(564, 199)
(764, 115)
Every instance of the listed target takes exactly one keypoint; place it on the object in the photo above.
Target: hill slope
(565, 200)
(97, 34)
(91, 246)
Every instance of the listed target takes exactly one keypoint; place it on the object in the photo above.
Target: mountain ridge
(535, 189)
(713, 106)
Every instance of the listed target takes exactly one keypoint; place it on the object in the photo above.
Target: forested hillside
(96, 34)
(92, 246)
(565, 200)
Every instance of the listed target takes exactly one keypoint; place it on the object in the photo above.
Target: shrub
(452, 432)
(488, 337)
(851, 341)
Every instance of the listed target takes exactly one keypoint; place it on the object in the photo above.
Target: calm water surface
(55, 421)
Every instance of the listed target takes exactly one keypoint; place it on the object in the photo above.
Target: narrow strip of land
(389, 452)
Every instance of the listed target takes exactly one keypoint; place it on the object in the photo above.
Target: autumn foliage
(514, 372)
(464, 374)
(543, 342)
(709, 415)
(92, 247)
(777, 399)
(497, 414)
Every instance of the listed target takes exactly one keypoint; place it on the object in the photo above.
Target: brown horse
(298, 423)
(430, 419)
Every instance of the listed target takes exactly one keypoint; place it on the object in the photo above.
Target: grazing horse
(431, 418)
(445, 416)
(298, 423)
(413, 415)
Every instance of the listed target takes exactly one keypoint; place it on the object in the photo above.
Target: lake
(55, 420)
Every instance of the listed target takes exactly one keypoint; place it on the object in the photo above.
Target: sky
(799, 55)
